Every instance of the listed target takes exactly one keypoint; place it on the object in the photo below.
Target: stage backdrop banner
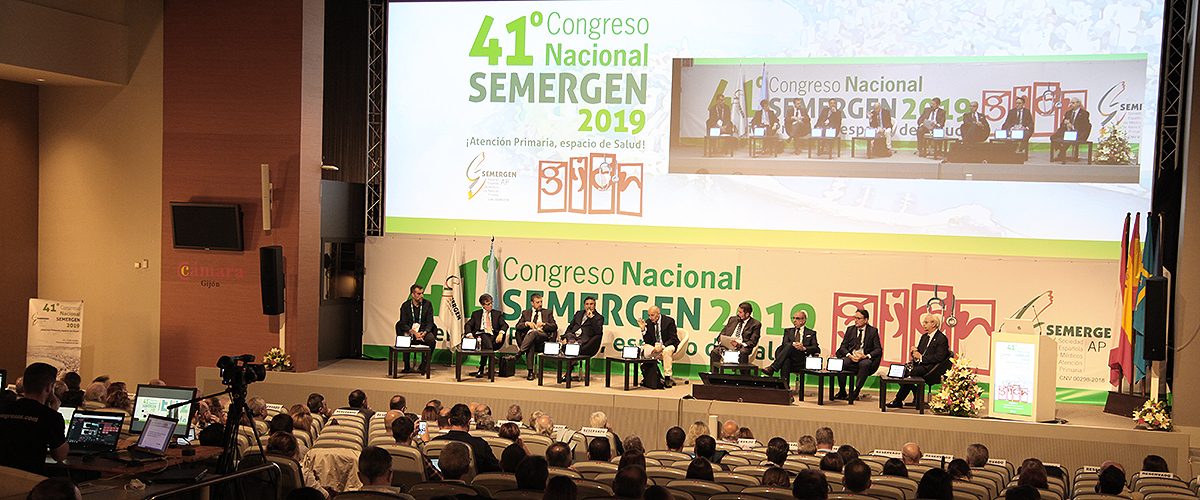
(1110, 87)
(701, 286)
(55, 333)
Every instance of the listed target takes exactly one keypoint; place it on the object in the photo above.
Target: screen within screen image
(596, 112)
(152, 399)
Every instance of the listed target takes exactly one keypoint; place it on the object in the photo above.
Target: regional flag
(493, 279)
(1148, 264)
(1120, 358)
(451, 313)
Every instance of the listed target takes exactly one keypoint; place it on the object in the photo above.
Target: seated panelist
(535, 327)
(488, 326)
(416, 321)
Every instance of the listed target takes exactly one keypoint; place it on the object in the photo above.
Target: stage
(904, 164)
(1088, 437)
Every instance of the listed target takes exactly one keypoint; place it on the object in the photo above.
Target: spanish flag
(1120, 358)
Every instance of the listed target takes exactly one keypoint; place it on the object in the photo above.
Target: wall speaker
(1154, 335)
(270, 261)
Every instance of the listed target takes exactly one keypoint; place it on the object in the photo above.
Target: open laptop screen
(572, 350)
(551, 348)
(896, 371)
(629, 352)
(154, 400)
(95, 428)
(834, 364)
(156, 434)
(812, 363)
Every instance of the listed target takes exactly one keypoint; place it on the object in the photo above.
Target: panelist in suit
(881, 121)
(1020, 118)
(929, 360)
(863, 352)
(660, 340)
(933, 116)
(798, 343)
(975, 126)
(718, 117)
(489, 327)
(768, 119)
(798, 124)
(745, 332)
(1076, 118)
(416, 320)
(535, 327)
(586, 329)
(831, 117)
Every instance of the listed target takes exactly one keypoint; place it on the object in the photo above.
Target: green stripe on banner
(971, 245)
(912, 60)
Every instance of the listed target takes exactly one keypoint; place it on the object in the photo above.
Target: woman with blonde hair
(697, 429)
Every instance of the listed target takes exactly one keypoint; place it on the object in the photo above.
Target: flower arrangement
(1113, 146)
(1154, 416)
(960, 394)
(277, 360)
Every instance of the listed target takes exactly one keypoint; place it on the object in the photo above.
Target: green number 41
(492, 50)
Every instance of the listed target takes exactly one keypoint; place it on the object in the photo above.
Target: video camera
(238, 371)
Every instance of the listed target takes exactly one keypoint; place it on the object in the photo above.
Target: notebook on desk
(153, 442)
(93, 432)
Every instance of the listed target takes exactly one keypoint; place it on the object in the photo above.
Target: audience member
(1033, 473)
(103, 379)
(706, 448)
(32, 425)
(1112, 481)
(119, 400)
(777, 451)
(73, 398)
(911, 454)
(633, 442)
(19, 386)
(533, 418)
(510, 431)
(599, 449)
(700, 469)
(430, 415)
(824, 437)
(455, 461)
(485, 423)
(436, 403)
(60, 388)
(629, 483)
(936, 485)
(560, 488)
(303, 421)
(216, 405)
(832, 462)
(390, 417)
(856, 476)
(694, 431)
(1022, 493)
(375, 470)
(282, 443)
(959, 470)
(457, 422)
(977, 455)
(675, 438)
(403, 430)
(317, 406)
(157, 382)
(7, 396)
(55, 488)
(894, 467)
(511, 457)
(1154, 463)
(117, 386)
(398, 403)
(358, 401)
(729, 431)
(776, 477)
(544, 426)
(514, 413)
(810, 485)
(94, 396)
(745, 433)
(212, 435)
(807, 445)
(532, 473)
(72, 380)
(657, 492)
(632, 457)
(559, 455)
(848, 453)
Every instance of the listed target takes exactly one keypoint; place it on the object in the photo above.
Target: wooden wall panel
(19, 225)
(238, 92)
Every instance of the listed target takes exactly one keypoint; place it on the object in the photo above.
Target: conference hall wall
(558, 129)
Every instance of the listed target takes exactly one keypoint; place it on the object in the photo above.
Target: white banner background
(55, 333)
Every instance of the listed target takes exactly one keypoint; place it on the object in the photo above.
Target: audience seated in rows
(856, 476)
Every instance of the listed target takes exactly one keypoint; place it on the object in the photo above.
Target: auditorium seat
(753, 456)
(846, 495)
(1004, 467)
(408, 468)
(16, 483)
(589, 469)
(771, 492)
(809, 460)
(679, 495)
(518, 495)
(382, 440)
(752, 470)
(989, 479)
(586, 488)
(727, 447)
(834, 479)
(535, 443)
(1137, 482)
(1164, 488)
(735, 481)
(904, 484)
(373, 495)
(561, 471)
(496, 481)
(886, 492)
(795, 467)
(292, 477)
(668, 473)
(735, 461)
(434, 448)
(1170, 496)
(498, 444)
(430, 489)
(667, 457)
(735, 496)
(1099, 496)
(916, 472)
(978, 491)
(332, 442)
(701, 490)
(303, 437)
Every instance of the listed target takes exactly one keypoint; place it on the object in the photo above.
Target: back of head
(560, 488)
(824, 437)
(634, 458)
(936, 485)
(598, 419)
(895, 467)
(511, 457)
(630, 483)
(212, 435)
(959, 470)
(776, 477)
(39, 378)
(55, 488)
(282, 422)
(633, 442)
(257, 406)
(436, 403)
(729, 430)
(856, 476)
(429, 414)
(807, 445)
(777, 450)
(1022, 493)
(559, 454)
(514, 413)
(374, 463)
(600, 449)
(810, 485)
(455, 460)
(484, 422)
(832, 462)
(544, 425)
(510, 431)
(675, 438)
(282, 443)
(695, 430)
(314, 402)
(848, 453)
(96, 392)
(1112, 481)
(706, 446)
(402, 429)
(1033, 474)
(1155, 463)
(657, 492)
(532, 473)
(73, 380)
(911, 453)
(977, 455)
(700, 469)
(357, 399)
(460, 415)
(398, 403)
(390, 417)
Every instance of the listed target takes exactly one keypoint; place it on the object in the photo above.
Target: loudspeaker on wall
(270, 261)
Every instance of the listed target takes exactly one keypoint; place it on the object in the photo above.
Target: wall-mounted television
(207, 226)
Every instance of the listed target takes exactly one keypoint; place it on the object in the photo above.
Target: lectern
(1024, 368)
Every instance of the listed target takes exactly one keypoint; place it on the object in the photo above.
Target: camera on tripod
(237, 371)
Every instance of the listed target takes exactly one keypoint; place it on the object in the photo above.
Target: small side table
(461, 355)
(919, 394)
(631, 366)
(822, 375)
(394, 358)
(570, 362)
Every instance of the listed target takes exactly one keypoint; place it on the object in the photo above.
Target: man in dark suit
(1077, 119)
(489, 327)
(831, 117)
(718, 117)
(535, 326)
(798, 343)
(799, 124)
(881, 121)
(459, 421)
(863, 352)
(929, 360)
(768, 119)
(932, 117)
(1020, 118)
(586, 329)
(975, 126)
(660, 340)
(745, 332)
(416, 320)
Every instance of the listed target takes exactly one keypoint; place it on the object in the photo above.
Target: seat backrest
(681, 350)
(591, 468)
(752, 456)
(771, 492)
(734, 480)
(752, 470)
(430, 489)
(834, 479)
(536, 443)
(518, 495)
(433, 448)
(845, 495)
(496, 481)
(681, 495)
(904, 484)
(735, 461)
(701, 490)
(670, 473)
(560, 471)
(972, 489)
(734, 496)
(370, 495)
(408, 468)
(668, 456)
(1164, 488)
(587, 488)
(16, 482)
(885, 492)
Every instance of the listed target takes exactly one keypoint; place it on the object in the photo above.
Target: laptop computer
(571, 350)
(939, 133)
(731, 357)
(153, 442)
(834, 364)
(470, 344)
(67, 412)
(1018, 134)
(897, 370)
(812, 363)
(630, 352)
(1002, 134)
(551, 348)
(94, 432)
(403, 341)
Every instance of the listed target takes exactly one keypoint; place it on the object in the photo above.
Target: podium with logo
(1024, 373)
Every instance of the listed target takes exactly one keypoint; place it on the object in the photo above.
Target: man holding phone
(660, 340)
